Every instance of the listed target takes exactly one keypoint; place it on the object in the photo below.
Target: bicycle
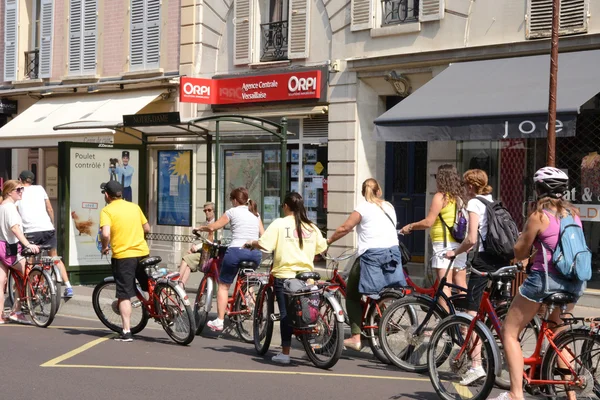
(465, 340)
(372, 306)
(323, 340)
(35, 289)
(167, 303)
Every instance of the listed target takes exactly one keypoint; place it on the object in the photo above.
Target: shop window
(573, 18)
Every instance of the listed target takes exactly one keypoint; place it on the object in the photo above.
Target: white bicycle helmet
(550, 181)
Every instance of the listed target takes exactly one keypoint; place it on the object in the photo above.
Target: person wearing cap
(189, 262)
(124, 175)
(38, 221)
(123, 225)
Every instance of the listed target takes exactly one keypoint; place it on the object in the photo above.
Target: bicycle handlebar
(341, 257)
(504, 270)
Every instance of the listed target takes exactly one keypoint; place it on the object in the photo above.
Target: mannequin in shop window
(590, 174)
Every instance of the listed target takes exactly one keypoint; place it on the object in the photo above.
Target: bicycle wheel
(105, 303)
(245, 303)
(325, 345)
(448, 343)
(397, 330)
(582, 347)
(11, 288)
(201, 304)
(41, 297)
(175, 315)
(528, 340)
(57, 285)
(262, 324)
(373, 319)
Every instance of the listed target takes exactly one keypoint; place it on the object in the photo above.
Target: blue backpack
(571, 257)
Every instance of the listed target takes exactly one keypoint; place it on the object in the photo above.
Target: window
(573, 18)
(393, 12)
(399, 11)
(274, 30)
(145, 35)
(11, 45)
(83, 25)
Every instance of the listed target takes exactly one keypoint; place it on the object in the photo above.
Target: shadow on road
(416, 396)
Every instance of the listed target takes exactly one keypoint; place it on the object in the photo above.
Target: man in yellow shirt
(123, 224)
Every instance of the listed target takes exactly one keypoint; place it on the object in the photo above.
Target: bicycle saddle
(150, 261)
(248, 265)
(303, 276)
(560, 298)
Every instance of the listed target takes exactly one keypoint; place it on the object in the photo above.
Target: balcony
(32, 64)
(399, 11)
(274, 40)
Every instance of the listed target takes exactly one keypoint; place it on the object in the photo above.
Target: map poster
(174, 187)
(243, 169)
(89, 167)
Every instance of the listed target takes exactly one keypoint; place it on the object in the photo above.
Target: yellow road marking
(236, 371)
(462, 391)
(78, 350)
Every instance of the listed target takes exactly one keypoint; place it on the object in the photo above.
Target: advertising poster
(89, 167)
(174, 187)
(243, 169)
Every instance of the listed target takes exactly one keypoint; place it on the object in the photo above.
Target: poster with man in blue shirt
(124, 174)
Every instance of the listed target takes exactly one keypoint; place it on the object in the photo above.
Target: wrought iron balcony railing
(32, 64)
(274, 40)
(399, 11)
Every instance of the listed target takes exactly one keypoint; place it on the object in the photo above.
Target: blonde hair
(9, 186)
(372, 191)
(479, 180)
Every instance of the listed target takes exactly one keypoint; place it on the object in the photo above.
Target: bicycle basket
(302, 303)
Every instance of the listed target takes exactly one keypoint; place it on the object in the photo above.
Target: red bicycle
(372, 306)
(240, 305)
(167, 303)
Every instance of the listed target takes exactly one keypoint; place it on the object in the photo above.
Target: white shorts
(460, 262)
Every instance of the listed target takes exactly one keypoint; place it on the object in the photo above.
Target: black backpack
(502, 231)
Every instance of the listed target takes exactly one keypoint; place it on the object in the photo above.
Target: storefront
(492, 115)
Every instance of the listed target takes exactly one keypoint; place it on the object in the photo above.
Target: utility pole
(551, 159)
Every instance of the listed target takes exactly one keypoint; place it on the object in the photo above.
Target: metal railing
(32, 64)
(399, 11)
(274, 40)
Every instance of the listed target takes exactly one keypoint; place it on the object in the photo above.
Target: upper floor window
(83, 33)
(144, 49)
(573, 18)
(11, 39)
(279, 30)
(399, 11)
(363, 14)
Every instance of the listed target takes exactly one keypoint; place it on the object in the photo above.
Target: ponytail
(295, 203)
(372, 191)
(253, 207)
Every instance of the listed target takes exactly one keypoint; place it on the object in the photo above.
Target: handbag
(404, 252)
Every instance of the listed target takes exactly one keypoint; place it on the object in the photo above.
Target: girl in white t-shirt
(11, 237)
(375, 222)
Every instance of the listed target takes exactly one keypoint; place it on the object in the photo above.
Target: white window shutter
(362, 15)
(46, 33)
(137, 40)
(431, 10)
(90, 34)
(242, 37)
(299, 28)
(152, 56)
(573, 18)
(75, 36)
(11, 46)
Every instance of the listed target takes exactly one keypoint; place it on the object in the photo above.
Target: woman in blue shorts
(245, 225)
(542, 232)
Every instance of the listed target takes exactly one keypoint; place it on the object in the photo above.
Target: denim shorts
(540, 285)
(231, 261)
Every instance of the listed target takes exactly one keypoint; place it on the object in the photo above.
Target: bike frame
(22, 278)
(152, 297)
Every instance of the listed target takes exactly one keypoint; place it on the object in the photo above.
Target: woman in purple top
(541, 231)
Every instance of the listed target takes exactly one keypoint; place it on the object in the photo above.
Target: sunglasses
(19, 190)
(207, 210)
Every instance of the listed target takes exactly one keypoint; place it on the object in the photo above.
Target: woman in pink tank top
(541, 231)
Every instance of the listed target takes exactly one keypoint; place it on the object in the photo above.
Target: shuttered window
(83, 33)
(145, 35)
(299, 28)
(431, 10)
(361, 14)
(11, 17)
(242, 37)
(315, 127)
(46, 33)
(573, 18)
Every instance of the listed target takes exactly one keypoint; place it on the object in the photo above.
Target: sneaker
(124, 337)
(68, 293)
(472, 375)
(4, 321)
(502, 396)
(18, 317)
(281, 358)
(351, 344)
(216, 324)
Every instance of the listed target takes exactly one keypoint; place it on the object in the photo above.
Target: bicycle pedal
(275, 317)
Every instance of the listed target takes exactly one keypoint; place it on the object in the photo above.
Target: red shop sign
(252, 89)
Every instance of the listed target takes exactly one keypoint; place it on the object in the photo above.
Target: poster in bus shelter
(175, 187)
(89, 167)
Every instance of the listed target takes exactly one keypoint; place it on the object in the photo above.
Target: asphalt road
(77, 359)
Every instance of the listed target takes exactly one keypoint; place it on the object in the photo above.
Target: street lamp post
(551, 159)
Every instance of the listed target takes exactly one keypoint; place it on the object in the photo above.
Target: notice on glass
(317, 182)
(271, 209)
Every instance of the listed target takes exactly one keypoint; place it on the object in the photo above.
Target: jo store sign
(252, 89)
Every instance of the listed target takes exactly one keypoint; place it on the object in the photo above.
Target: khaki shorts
(192, 260)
